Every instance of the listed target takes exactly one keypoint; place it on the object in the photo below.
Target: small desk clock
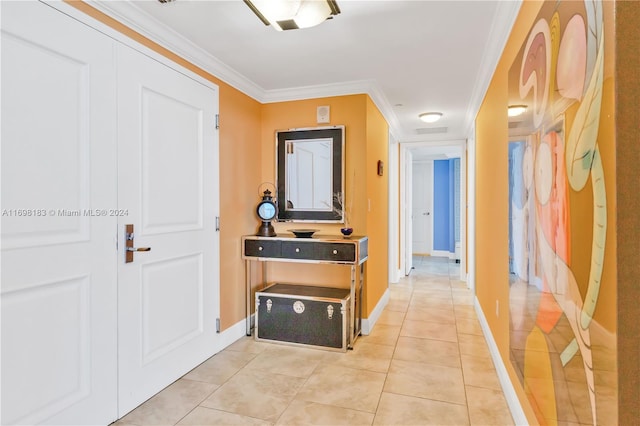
(266, 212)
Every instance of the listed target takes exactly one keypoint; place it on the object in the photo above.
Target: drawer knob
(335, 251)
(260, 248)
(297, 250)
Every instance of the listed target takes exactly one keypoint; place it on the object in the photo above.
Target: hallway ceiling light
(430, 117)
(293, 14)
(516, 110)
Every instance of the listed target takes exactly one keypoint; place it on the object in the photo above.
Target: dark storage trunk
(306, 315)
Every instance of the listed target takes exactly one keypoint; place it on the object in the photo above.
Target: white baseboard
(443, 253)
(505, 382)
(232, 334)
(395, 276)
(370, 322)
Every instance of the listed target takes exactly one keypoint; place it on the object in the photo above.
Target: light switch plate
(323, 114)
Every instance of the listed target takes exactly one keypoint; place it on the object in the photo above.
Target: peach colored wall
(364, 127)
(377, 192)
(492, 283)
(491, 177)
(344, 110)
(240, 163)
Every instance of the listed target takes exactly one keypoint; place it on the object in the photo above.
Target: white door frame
(406, 229)
(405, 194)
(394, 202)
(471, 212)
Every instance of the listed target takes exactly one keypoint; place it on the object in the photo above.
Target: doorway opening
(433, 194)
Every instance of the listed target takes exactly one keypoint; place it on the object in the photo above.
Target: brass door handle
(138, 248)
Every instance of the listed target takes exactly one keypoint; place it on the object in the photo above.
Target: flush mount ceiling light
(516, 110)
(293, 14)
(430, 117)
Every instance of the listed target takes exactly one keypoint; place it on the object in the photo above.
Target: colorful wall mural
(562, 302)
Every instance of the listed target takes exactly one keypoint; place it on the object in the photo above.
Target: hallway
(425, 363)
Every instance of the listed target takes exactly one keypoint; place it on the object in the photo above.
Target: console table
(317, 249)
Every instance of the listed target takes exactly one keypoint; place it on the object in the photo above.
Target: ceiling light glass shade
(293, 14)
(430, 117)
(516, 110)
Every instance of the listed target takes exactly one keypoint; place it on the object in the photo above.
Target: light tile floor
(425, 363)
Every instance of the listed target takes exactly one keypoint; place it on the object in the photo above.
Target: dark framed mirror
(310, 174)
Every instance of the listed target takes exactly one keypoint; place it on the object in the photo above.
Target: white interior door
(422, 207)
(168, 298)
(58, 249)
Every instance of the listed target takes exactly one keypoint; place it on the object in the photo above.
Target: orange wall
(492, 282)
(240, 163)
(366, 141)
(378, 214)
(491, 222)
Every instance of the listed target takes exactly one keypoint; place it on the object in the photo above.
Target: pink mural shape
(571, 66)
(554, 214)
(536, 69)
(554, 220)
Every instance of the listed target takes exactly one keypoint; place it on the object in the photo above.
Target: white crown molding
(369, 87)
(503, 20)
(317, 91)
(136, 19)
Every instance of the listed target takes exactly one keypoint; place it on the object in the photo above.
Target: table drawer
(298, 250)
(262, 248)
(336, 252)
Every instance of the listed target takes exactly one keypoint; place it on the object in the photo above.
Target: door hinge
(217, 121)
(217, 325)
(217, 223)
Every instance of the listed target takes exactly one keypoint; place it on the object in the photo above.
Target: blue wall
(446, 204)
(517, 194)
(441, 205)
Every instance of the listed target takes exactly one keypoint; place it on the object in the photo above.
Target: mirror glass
(310, 174)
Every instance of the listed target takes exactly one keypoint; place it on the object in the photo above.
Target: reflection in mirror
(310, 164)
(308, 174)
(562, 294)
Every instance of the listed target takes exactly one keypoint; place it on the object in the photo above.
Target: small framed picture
(380, 168)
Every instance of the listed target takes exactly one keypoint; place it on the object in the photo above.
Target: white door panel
(172, 140)
(422, 207)
(168, 297)
(58, 256)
